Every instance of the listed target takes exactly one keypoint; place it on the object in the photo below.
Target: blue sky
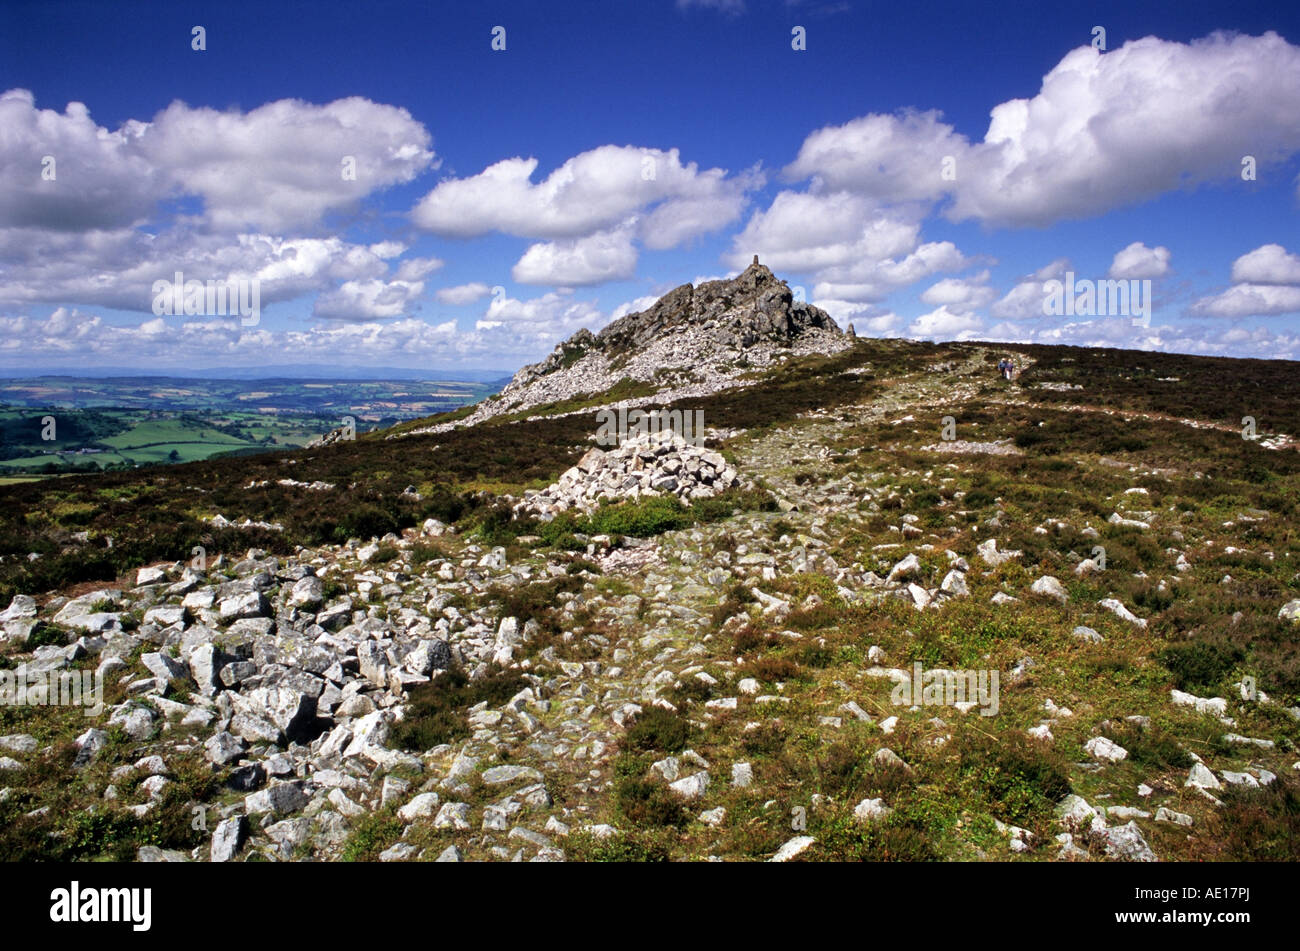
(614, 150)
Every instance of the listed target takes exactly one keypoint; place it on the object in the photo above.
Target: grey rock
(83, 604)
(869, 810)
(307, 592)
(691, 787)
(136, 720)
(742, 775)
(236, 672)
(150, 575)
(88, 745)
(793, 847)
(1126, 843)
(165, 615)
(250, 604)
(1200, 776)
(989, 554)
(224, 748)
(452, 815)
(255, 729)
(1116, 608)
(151, 853)
(954, 583)
(1049, 587)
(1104, 750)
(290, 836)
(20, 607)
(346, 807)
(401, 852)
(101, 622)
(1168, 815)
(18, 743)
(421, 807)
(292, 711)
(206, 662)
(428, 656)
(228, 838)
(163, 667)
(497, 775)
(277, 799)
(374, 663)
(1075, 814)
(909, 567)
(392, 790)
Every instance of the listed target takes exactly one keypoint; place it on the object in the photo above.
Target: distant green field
(170, 431)
(159, 422)
(141, 437)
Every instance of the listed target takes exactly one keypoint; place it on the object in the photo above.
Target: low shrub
(657, 729)
(436, 711)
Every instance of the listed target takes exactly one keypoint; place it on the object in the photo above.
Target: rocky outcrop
(693, 341)
(737, 314)
(732, 315)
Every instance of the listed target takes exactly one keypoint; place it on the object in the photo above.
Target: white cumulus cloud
(1138, 262)
(1269, 264)
(594, 191)
(603, 256)
(943, 323)
(963, 293)
(1105, 130)
(278, 167)
(463, 293)
(1266, 283)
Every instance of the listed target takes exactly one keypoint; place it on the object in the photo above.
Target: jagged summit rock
(693, 341)
(737, 314)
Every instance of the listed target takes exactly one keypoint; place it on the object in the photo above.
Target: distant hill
(284, 371)
(119, 421)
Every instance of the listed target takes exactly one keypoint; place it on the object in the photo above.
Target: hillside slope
(437, 673)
